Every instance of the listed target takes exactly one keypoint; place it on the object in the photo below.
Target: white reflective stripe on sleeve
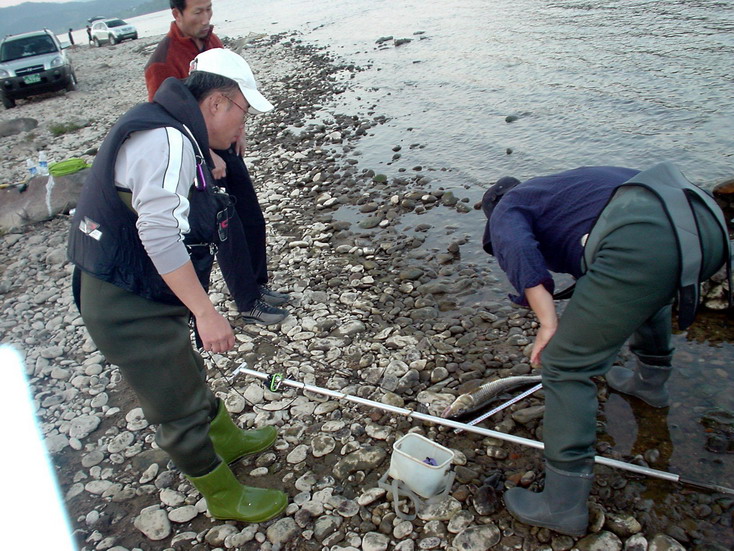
(172, 177)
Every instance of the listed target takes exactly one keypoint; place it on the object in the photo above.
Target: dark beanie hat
(491, 197)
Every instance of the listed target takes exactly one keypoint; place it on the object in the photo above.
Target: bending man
(617, 232)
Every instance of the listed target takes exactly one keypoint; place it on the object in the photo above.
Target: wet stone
(606, 541)
(443, 510)
(136, 420)
(345, 507)
(460, 521)
(363, 459)
(637, 542)
(325, 526)
(283, 530)
(83, 425)
(662, 542)
(120, 442)
(217, 534)
(350, 328)
(306, 482)
(183, 514)
(487, 500)
(298, 454)
(56, 443)
(411, 274)
(623, 525)
(402, 530)
(171, 497)
(429, 543)
(526, 415)
(478, 538)
(374, 541)
(370, 496)
(464, 475)
(153, 523)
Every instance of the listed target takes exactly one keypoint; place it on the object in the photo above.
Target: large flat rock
(44, 198)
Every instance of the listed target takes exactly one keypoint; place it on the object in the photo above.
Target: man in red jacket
(242, 258)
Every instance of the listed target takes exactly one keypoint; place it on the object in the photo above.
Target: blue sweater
(537, 226)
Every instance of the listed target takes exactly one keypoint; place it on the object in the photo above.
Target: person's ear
(177, 15)
(214, 103)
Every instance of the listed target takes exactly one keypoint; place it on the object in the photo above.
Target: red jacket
(172, 57)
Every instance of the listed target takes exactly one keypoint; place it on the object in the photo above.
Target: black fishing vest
(103, 239)
(675, 192)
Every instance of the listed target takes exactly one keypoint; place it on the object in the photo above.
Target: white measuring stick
(639, 469)
(501, 407)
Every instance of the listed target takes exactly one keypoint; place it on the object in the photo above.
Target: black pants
(242, 258)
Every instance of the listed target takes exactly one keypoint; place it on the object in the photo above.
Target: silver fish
(485, 393)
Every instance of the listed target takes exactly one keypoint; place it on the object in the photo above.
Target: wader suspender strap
(673, 189)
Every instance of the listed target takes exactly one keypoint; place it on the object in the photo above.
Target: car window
(26, 47)
(115, 23)
(98, 26)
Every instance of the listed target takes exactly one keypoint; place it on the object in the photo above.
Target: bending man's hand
(541, 301)
(214, 330)
(241, 144)
(220, 167)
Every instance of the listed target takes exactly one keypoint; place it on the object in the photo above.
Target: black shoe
(264, 314)
(273, 298)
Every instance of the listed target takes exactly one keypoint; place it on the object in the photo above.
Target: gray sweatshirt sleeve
(159, 166)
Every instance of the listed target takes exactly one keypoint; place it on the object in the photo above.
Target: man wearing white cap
(142, 241)
(243, 259)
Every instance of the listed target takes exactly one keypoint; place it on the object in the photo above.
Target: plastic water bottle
(31, 166)
(42, 164)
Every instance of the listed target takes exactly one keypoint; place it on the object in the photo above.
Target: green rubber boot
(646, 382)
(227, 499)
(561, 506)
(232, 443)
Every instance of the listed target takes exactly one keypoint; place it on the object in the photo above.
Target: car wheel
(8, 102)
(71, 85)
(96, 41)
(113, 40)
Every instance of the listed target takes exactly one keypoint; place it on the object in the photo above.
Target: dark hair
(202, 84)
(179, 5)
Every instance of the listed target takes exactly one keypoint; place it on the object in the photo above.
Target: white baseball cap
(228, 64)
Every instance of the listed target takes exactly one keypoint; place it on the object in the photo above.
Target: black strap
(565, 293)
(76, 287)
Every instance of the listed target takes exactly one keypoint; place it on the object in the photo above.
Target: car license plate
(32, 79)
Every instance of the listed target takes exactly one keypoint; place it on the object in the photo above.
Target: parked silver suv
(33, 63)
(112, 31)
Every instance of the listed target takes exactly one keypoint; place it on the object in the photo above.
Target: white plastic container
(408, 463)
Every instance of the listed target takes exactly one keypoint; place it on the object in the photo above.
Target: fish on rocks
(485, 393)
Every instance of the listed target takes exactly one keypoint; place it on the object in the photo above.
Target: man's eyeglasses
(244, 118)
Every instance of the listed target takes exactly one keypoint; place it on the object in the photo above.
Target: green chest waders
(675, 193)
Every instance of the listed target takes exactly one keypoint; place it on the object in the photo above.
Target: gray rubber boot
(646, 382)
(561, 506)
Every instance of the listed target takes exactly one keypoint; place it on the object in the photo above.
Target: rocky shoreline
(377, 314)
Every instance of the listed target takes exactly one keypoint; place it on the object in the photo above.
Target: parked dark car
(33, 63)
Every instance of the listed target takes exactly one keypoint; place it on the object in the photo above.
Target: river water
(625, 82)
